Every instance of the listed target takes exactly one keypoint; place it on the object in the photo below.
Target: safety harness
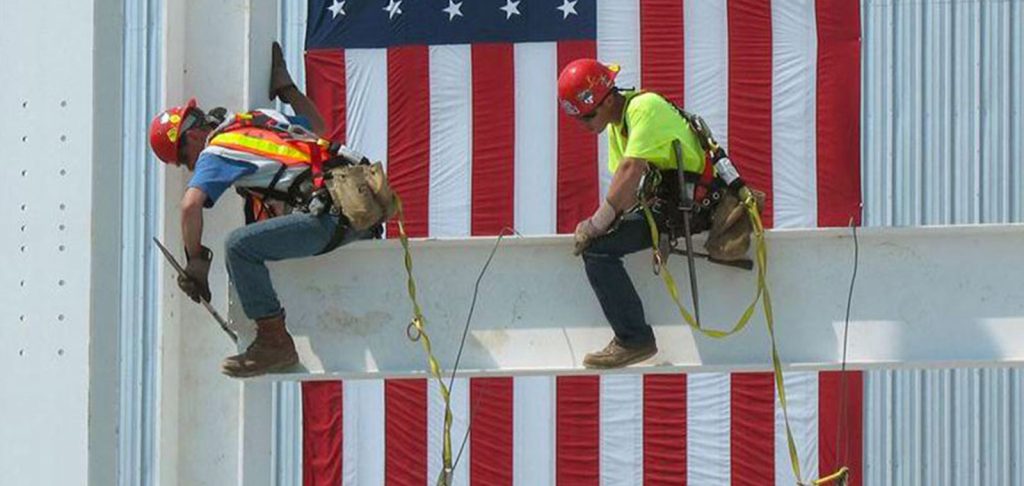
(332, 178)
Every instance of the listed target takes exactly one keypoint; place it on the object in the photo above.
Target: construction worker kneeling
(662, 157)
(305, 196)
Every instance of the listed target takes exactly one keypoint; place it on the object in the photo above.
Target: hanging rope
(417, 331)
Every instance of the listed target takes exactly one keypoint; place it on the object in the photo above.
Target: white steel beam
(925, 297)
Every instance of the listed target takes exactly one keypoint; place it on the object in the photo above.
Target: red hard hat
(584, 84)
(165, 131)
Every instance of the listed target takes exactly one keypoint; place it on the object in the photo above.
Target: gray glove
(196, 281)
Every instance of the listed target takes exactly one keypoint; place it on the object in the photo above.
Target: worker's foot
(615, 355)
(273, 350)
(279, 77)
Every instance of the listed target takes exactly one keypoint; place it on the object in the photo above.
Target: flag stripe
(794, 173)
(493, 138)
(408, 134)
(577, 153)
(622, 430)
(451, 140)
(459, 399)
(405, 403)
(578, 410)
(802, 400)
(750, 95)
(536, 144)
(618, 41)
(364, 431)
(830, 416)
(491, 407)
(753, 429)
(321, 433)
(708, 420)
(366, 119)
(706, 44)
(326, 88)
(838, 121)
(534, 429)
(664, 423)
(661, 48)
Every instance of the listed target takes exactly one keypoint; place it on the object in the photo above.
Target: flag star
(394, 8)
(337, 8)
(453, 10)
(511, 8)
(568, 8)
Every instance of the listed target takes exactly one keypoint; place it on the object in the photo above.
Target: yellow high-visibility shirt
(653, 124)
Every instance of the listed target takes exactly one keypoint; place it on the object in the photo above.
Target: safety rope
(416, 331)
(762, 294)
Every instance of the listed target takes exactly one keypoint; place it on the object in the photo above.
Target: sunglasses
(192, 119)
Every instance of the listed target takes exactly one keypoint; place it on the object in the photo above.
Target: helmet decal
(586, 97)
(569, 108)
(172, 134)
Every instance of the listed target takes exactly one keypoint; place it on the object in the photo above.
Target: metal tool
(181, 273)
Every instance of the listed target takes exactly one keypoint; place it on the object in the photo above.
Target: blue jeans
(611, 283)
(295, 235)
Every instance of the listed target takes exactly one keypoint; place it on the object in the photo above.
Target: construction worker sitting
(649, 142)
(278, 161)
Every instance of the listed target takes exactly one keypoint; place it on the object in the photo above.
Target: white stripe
(366, 80)
(802, 401)
(622, 430)
(618, 42)
(706, 42)
(708, 417)
(533, 429)
(435, 429)
(794, 145)
(363, 433)
(451, 139)
(536, 151)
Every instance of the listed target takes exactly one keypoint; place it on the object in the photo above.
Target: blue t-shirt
(215, 174)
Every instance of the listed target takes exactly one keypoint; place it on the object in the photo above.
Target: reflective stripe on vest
(264, 143)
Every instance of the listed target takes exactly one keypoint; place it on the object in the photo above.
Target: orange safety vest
(259, 134)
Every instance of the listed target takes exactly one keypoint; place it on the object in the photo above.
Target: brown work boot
(615, 355)
(273, 350)
(280, 79)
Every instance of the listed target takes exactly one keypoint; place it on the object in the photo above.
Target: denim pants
(295, 235)
(611, 283)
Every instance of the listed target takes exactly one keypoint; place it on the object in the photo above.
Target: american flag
(458, 98)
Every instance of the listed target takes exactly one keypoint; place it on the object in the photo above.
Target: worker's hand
(594, 226)
(196, 281)
(585, 234)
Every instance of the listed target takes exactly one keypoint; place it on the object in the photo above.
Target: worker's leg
(282, 86)
(247, 249)
(611, 283)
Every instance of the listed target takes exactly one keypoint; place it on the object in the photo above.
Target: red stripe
(491, 434)
(830, 413)
(493, 138)
(409, 134)
(750, 94)
(321, 433)
(838, 116)
(577, 153)
(661, 48)
(325, 87)
(578, 434)
(405, 432)
(753, 429)
(664, 430)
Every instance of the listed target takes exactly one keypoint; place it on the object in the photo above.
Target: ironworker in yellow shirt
(649, 140)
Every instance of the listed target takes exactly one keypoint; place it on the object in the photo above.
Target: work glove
(593, 227)
(196, 280)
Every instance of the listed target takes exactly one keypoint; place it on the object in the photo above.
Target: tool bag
(361, 193)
